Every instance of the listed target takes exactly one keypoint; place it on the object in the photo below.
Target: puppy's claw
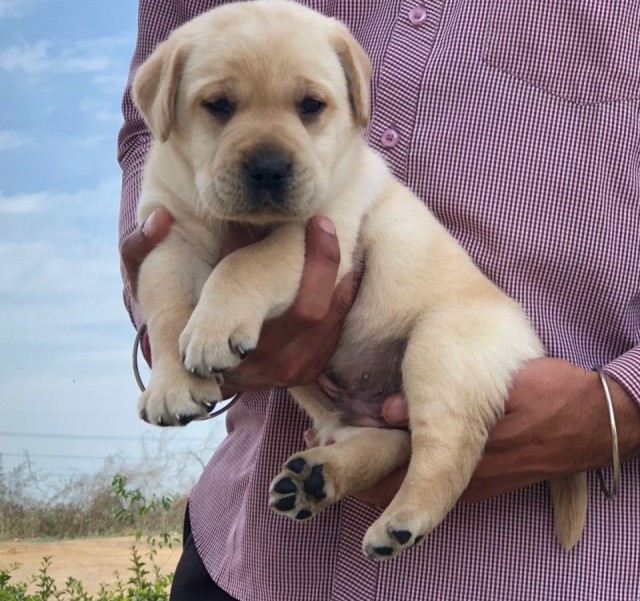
(183, 420)
(239, 349)
(244, 353)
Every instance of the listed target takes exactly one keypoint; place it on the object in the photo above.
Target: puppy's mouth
(268, 179)
(266, 186)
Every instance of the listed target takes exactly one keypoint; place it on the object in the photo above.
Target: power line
(84, 436)
(44, 455)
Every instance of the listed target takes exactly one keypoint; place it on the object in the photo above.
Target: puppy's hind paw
(387, 538)
(301, 490)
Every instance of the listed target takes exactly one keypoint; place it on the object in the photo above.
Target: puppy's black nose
(267, 170)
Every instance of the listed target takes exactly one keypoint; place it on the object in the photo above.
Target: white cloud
(50, 57)
(16, 8)
(12, 139)
(28, 58)
(101, 111)
(93, 141)
(21, 204)
(59, 265)
(64, 207)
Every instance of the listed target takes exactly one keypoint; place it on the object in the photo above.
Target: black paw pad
(418, 540)
(402, 536)
(286, 504)
(285, 486)
(314, 484)
(383, 551)
(185, 419)
(303, 514)
(297, 465)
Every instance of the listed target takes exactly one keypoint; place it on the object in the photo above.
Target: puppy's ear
(156, 85)
(357, 68)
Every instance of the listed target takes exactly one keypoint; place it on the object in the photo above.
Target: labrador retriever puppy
(258, 110)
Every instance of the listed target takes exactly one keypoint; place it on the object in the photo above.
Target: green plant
(136, 508)
(143, 585)
(33, 505)
(146, 580)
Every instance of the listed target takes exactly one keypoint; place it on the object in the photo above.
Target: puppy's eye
(310, 107)
(220, 108)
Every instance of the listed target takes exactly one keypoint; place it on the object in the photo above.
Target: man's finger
(137, 245)
(343, 297)
(395, 411)
(322, 260)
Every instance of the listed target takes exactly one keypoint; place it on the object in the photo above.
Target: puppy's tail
(569, 496)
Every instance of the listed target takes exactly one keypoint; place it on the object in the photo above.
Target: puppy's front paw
(210, 345)
(391, 534)
(175, 399)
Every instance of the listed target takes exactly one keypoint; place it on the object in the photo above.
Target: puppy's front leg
(248, 286)
(170, 281)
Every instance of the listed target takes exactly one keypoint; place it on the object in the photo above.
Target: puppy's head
(265, 101)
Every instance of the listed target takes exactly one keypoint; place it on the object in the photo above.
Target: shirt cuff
(626, 371)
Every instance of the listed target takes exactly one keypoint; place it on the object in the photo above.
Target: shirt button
(390, 138)
(418, 15)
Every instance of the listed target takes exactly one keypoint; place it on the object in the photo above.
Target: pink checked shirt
(518, 123)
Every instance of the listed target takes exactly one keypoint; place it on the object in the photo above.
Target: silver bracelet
(134, 359)
(610, 493)
(136, 373)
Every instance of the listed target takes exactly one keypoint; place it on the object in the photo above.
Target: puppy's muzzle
(268, 174)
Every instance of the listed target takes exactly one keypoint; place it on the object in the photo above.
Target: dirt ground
(92, 561)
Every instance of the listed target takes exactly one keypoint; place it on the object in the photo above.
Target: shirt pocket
(583, 51)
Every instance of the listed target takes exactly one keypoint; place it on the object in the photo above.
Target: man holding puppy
(501, 137)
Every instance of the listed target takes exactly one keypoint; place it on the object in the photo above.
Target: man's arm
(556, 423)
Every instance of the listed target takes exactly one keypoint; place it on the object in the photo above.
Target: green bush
(146, 581)
(34, 506)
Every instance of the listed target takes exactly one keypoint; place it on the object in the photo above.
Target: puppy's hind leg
(456, 378)
(318, 477)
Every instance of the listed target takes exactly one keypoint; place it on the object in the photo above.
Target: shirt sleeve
(626, 371)
(156, 20)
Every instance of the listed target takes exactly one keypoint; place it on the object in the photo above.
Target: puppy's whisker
(202, 202)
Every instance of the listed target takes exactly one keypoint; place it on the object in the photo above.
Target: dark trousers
(192, 581)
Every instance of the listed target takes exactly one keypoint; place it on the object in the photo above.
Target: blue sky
(65, 338)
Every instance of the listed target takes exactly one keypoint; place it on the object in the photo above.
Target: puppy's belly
(357, 382)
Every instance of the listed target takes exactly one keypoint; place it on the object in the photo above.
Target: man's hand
(294, 348)
(137, 245)
(556, 423)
